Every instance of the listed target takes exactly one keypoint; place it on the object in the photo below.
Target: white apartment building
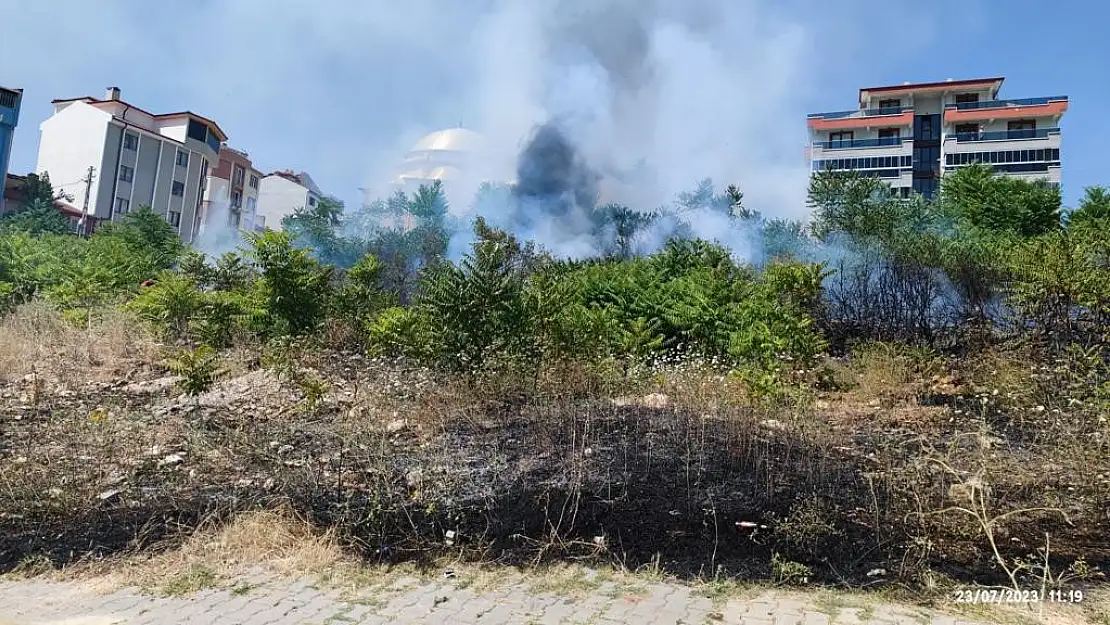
(137, 158)
(282, 193)
(909, 134)
(232, 192)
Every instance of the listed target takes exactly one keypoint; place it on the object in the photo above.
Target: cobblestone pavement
(301, 602)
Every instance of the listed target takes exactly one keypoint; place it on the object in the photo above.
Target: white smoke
(217, 236)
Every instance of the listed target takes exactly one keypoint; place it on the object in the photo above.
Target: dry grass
(253, 545)
(36, 339)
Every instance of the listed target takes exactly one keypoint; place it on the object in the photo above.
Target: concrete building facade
(10, 102)
(234, 183)
(136, 158)
(910, 134)
(281, 194)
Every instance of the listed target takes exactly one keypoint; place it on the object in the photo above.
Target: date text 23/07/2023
(1010, 595)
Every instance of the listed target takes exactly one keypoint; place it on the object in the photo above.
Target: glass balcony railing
(1003, 135)
(892, 110)
(860, 143)
(994, 104)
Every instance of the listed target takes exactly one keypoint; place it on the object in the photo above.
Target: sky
(719, 88)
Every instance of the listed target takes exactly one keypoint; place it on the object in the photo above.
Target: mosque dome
(441, 155)
(451, 140)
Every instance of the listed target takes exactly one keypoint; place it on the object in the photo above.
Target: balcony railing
(995, 104)
(892, 110)
(8, 99)
(860, 143)
(1004, 135)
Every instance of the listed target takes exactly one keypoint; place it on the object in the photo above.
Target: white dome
(451, 139)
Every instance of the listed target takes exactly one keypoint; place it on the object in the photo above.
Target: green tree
(296, 286)
(1093, 208)
(974, 196)
(150, 239)
(37, 214)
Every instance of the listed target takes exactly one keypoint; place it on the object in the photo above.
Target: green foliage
(360, 298)
(1093, 211)
(170, 304)
(974, 196)
(198, 368)
(37, 214)
(148, 237)
(296, 286)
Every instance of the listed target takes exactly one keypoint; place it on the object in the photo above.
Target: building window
(836, 140)
(1022, 129)
(175, 219)
(126, 174)
(182, 158)
(969, 130)
(312, 200)
(253, 181)
(178, 188)
(892, 104)
(889, 136)
(967, 98)
(130, 141)
(122, 206)
(251, 204)
(236, 199)
(237, 177)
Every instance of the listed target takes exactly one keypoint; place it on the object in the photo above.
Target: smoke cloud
(650, 95)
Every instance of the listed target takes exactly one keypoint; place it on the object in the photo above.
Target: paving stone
(299, 602)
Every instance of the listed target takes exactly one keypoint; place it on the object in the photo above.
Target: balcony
(862, 118)
(1052, 106)
(860, 143)
(1004, 135)
(991, 104)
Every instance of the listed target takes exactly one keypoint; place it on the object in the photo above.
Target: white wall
(175, 129)
(278, 197)
(72, 140)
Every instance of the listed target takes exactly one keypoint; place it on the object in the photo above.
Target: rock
(171, 460)
(108, 494)
(396, 426)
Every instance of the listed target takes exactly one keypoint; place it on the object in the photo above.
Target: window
(841, 139)
(892, 103)
(237, 177)
(311, 201)
(251, 204)
(178, 188)
(175, 219)
(1022, 129)
(197, 131)
(967, 130)
(889, 136)
(236, 199)
(130, 141)
(126, 174)
(182, 158)
(967, 98)
(253, 181)
(122, 206)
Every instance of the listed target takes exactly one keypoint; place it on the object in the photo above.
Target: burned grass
(679, 472)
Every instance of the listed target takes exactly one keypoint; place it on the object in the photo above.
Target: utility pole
(88, 191)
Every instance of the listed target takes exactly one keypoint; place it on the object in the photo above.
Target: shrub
(199, 369)
(296, 286)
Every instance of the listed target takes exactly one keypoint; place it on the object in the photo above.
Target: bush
(296, 286)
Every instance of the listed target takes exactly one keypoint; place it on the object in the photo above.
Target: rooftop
(103, 103)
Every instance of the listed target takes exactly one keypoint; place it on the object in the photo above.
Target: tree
(1094, 208)
(975, 197)
(37, 214)
(296, 285)
(146, 235)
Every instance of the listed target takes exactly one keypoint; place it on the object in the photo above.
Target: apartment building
(135, 158)
(233, 184)
(910, 134)
(282, 193)
(10, 101)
